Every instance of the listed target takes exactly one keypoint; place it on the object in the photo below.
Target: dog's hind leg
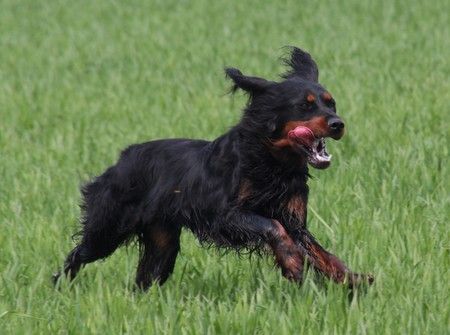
(93, 246)
(107, 223)
(159, 249)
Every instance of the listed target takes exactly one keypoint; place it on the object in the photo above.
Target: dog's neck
(260, 173)
(256, 155)
(254, 159)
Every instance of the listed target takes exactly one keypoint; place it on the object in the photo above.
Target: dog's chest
(274, 200)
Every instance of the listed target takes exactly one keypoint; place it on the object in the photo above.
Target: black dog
(246, 189)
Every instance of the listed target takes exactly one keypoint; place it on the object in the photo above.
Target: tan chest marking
(245, 190)
(297, 207)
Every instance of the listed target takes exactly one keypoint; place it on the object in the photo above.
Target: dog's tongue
(304, 134)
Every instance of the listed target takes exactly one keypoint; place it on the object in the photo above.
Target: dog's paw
(359, 279)
(55, 278)
(295, 276)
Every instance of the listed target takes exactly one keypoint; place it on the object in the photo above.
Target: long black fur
(158, 187)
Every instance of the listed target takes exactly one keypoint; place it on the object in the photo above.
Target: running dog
(245, 190)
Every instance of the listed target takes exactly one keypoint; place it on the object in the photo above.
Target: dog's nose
(336, 124)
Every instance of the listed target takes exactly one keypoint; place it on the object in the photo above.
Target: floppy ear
(301, 65)
(252, 85)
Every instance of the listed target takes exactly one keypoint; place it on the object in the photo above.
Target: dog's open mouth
(315, 148)
(318, 156)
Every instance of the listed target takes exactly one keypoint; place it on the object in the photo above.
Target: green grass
(80, 80)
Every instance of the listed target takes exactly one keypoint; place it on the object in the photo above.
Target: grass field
(80, 80)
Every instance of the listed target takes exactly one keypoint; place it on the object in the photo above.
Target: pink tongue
(303, 134)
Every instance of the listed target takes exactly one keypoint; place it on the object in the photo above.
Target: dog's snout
(336, 124)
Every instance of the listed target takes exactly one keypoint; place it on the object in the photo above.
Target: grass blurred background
(80, 80)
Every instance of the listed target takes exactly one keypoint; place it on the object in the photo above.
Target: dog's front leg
(322, 261)
(245, 229)
(327, 263)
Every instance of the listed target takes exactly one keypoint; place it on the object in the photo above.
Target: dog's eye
(306, 105)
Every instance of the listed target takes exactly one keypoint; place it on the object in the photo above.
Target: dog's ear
(301, 65)
(252, 85)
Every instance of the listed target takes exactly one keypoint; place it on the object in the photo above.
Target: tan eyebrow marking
(327, 96)
(310, 98)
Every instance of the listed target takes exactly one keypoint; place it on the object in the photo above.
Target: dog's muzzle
(314, 148)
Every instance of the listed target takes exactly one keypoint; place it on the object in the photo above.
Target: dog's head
(295, 114)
